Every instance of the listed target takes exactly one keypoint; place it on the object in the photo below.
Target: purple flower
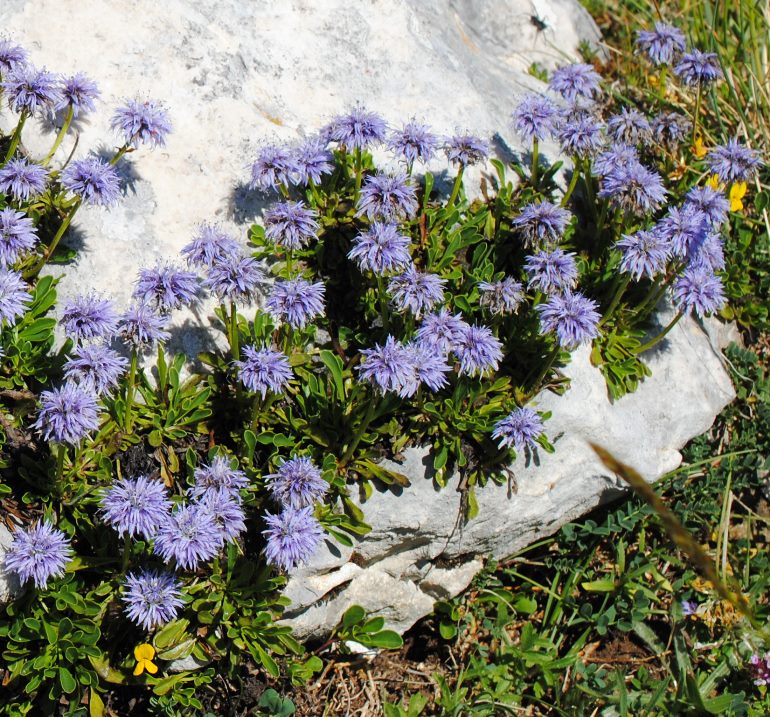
(670, 129)
(93, 180)
(297, 483)
(97, 366)
(761, 668)
(67, 414)
(571, 317)
(663, 44)
(264, 370)
(520, 428)
(166, 287)
(225, 512)
(414, 141)
(616, 157)
(535, 118)
(634, 189)
(189, 535)
(17, 236)
(29, 90)
(13, 296)
(416, 291)
(11, 56)
(359, 129)
(580, 136)
(235, 279)
(141, 326)
(381, 249)
(629, 127)
(574, 82)
(683, 229)
(219, 475)
(429, 364)
(38, 553)
(501, 297)
(209, 246)
(478, 351)
(465, 150)
(389, 368)
(442, 330)
(22, 179)
(136, 506)
(645, 253)
(551, 272)
(710, 253)
(296, 301)
(291, 225)
(78, 92)
(142, 123)
(388, 197)
(733, 162)
(698, 67)
(274, 166)
(689, 607)
(699, 289)
(542, 223)
(292, 537)
(88, 317)
(152, 598)
(710, 202)
(312, 160)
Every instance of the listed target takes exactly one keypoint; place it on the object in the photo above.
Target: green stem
(652, 296)
(455, 188)
(535, 160)
(572, 182)
(359, 433)
(48, 252)
(16, 137)
(284, 190)
(125, 148)
(696, 116)
(382, 298)
(547, 365)
(59, 137)
(256, 407)
(357, 164)
(660, 336)
(662, 78)
(61, 452)
(289, 262)
(234, 333)
(126, 553)
(128, 423)
(622, 285)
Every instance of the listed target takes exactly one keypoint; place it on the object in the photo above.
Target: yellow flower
(143, 655)
(699, 149)
(737, 192)
(713, 182)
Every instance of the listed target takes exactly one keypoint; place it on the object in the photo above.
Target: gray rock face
(9, 582)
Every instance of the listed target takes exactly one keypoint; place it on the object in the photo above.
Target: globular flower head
(520, 428)
(312, 160)
(274, 166)
(630, 127)
(441, 330)
(542, 223)
(264, 370)
(416, 291)
(645, 253)
(615, 158)
(683, 229)
(189, 535)
(430, 365)
(413, 142)
(478, 351)
(136, 506)
(67, 414)
(219, 475)
(760, 666)
(670, 129)
(209, 246)
(386, 196)
(141, 326)
(93, 180)
(296, 301)
(22, 179)
(663, 44)
(13, 296)
(389, 367)
(291, 224)
(501, 297)
(710, 253)
(535, 118)
(358, 129)
(381, 249)
(141, 122)
(17, 236)
(710, 202)
(698, 68)
(699, 290)
(292, 537)
(235, 278)
(152, 598)
(634, 188)
(551, 271)
(572, 317)
(31, 90)
(226, 513)
(38, 553)
(297, 483)
(89, 316)
(576, 82)
(97, 366)
(464, 150)
(580, 136)
(78, 92)
(11, 56)
(166, 287)
(733, 162)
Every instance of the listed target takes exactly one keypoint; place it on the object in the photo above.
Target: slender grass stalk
(696, 114)
(546, 367)
(48, 252)
(621, 283)
(535, 161)
(128, 422)
(119, 154)
(382, 298)
(572, 182)
(357, 167)
(126, 553)
(656, 339)
(60, 137)
(235, 348)
(455, 189)
(359, 432)
(16, 136)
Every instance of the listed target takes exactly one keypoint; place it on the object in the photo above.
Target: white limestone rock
(9, 582)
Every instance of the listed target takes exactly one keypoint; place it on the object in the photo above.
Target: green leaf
(335, 366)
(95, 704)
(599, 586)
(68, 682)
(353, 615)
(447, 630)
(387, 639)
